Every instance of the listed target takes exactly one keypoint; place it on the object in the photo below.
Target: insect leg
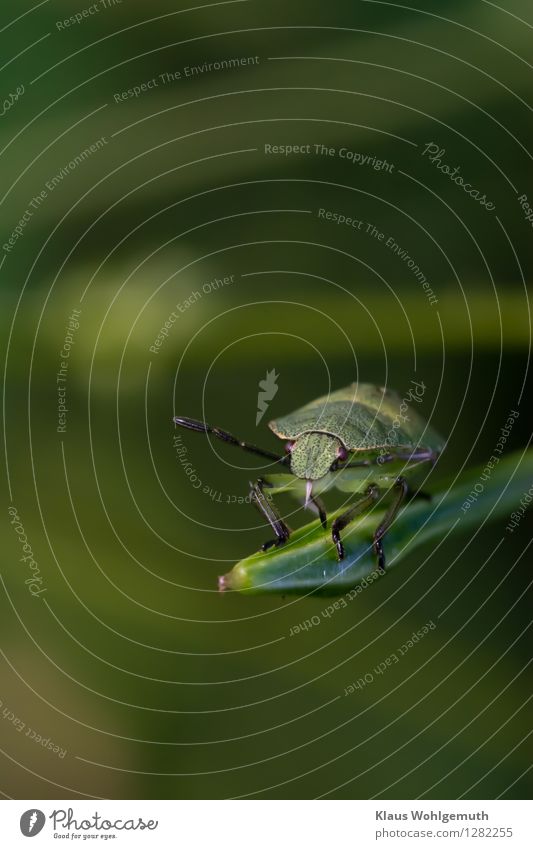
(265, 506)
(356, 464)
(203, 427)
(316, 503)
(419, 455)
(402, 488)
(370, 497)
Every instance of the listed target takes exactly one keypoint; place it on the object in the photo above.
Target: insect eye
(288, 447)
(342, 454)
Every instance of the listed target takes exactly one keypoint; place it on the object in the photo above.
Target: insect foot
(380, 554)
(274, 542)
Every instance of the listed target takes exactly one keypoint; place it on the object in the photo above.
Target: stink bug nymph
(353, 439)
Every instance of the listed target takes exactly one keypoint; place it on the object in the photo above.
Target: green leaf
(308, 562)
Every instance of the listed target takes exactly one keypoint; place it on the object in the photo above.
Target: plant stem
(308, 562)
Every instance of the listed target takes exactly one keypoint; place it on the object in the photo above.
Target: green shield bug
(358, 440)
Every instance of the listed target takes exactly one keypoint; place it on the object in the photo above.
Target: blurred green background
(155, 684)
